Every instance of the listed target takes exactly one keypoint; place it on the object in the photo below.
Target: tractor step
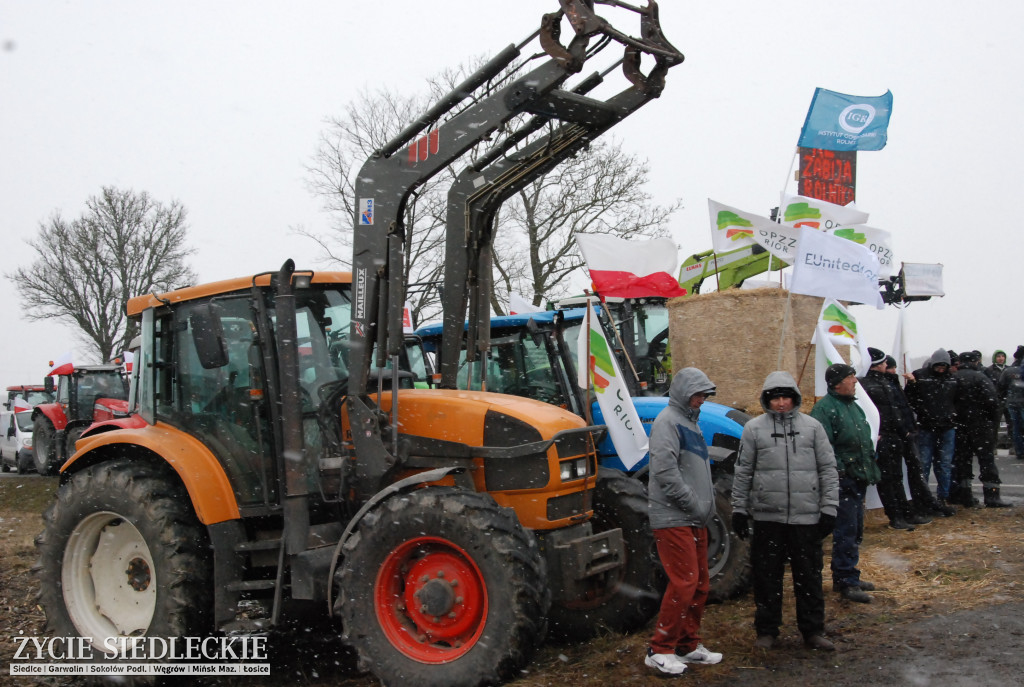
(258, 545)
(250, 585)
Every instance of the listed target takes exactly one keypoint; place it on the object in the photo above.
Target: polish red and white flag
(61, 366)
(624, 268)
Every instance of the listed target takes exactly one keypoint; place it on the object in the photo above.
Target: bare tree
(123, 245)
(601, 190)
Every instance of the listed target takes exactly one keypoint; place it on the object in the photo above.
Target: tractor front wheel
(122, 556)
(443, 587)
(44, 445)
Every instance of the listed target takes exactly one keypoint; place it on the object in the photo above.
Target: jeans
(848, 534)
(1016, 428)
(936, 447)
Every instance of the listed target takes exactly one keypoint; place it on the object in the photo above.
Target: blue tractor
(534, 355)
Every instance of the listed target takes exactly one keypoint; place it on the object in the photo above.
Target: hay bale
(735, 335)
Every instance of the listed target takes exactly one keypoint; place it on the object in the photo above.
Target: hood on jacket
(687, 382)
(780, 379)
(939, 357)
(997, 352)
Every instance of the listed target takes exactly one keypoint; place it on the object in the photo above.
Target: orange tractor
(281, 454)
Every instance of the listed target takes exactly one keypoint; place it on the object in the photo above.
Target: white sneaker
(666, 663)
(701, 655)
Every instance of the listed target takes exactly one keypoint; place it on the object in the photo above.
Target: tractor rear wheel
(441, 586)
(44, 445)
(630, 598)
(123, 556)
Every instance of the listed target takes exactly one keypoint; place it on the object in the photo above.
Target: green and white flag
(596, 366)
(878, 241)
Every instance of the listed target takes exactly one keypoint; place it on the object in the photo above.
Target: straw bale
(734, 336)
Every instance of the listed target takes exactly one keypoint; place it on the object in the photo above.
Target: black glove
(826, 523)
(741, 525)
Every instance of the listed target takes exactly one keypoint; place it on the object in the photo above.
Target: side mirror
(48, 384)
(208, 336)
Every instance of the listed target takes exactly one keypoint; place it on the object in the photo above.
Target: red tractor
(85, 394)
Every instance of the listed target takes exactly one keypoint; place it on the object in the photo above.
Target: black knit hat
(953, 357)
(837, 373)
(890, 361)
(876, 356)
(970, 357)
(1019, 353)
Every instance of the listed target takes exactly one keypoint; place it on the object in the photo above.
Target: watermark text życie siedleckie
(242, 648)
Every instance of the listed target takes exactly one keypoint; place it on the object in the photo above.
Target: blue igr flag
(836, 121)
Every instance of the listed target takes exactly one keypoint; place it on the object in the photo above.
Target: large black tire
(71, 436)
(44, 445)
(627, 601)
(442, 587)
(728, 555)
(4, 467)
(122, 554)
(24, 462)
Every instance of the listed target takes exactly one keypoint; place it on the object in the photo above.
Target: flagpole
(785, 185)
(622, 346)
(586, 392)
(800, 377)
(782, 332)
(792, 163)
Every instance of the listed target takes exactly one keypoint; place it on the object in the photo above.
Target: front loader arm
(388, 178)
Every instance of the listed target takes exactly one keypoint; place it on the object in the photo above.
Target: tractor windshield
(518, 364)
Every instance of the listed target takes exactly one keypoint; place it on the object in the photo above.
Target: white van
(16, 441)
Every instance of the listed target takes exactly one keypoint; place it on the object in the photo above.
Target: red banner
(829, 175)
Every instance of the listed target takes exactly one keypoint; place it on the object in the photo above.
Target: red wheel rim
(431, 600)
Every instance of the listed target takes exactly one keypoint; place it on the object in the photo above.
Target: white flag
(899, 348)
(840, 326)
(801, 211)
(518, 305)
(878, 241)
(596, 365)
(835, 268)
(730, 228)
(825, 354)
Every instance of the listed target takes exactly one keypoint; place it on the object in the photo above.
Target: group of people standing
(802, 477)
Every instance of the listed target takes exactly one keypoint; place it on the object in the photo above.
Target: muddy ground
(949, 611)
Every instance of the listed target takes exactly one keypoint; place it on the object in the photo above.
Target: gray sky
(220, 106)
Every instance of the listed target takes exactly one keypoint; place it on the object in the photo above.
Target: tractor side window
(63, 389)
(322, 320)
(222, 406)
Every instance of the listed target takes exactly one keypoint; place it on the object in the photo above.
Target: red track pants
(684, 554)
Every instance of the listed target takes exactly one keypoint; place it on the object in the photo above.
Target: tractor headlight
(573, 469)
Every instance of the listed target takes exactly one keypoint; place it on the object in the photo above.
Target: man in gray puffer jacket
(681, 506)
(786, 481)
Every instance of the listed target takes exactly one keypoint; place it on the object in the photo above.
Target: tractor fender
(198, 468)
(405, 484)
(53, 412)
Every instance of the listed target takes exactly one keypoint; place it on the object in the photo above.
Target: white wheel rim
(108, 578)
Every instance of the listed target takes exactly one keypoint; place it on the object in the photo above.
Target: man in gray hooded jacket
(681, 506)
(786, 481)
